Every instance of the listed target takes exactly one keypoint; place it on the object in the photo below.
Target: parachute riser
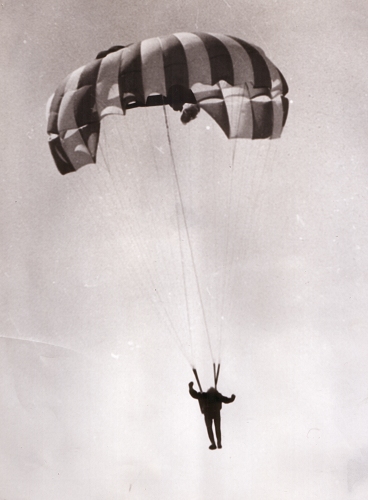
(197, 379)
(216, 373)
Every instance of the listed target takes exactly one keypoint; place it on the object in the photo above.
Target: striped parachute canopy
(232, 80)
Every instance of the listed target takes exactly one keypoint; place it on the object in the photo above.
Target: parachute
(230, 79)
(240, 90)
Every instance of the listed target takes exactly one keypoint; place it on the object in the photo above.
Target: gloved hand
(191, 384)
(233, 397)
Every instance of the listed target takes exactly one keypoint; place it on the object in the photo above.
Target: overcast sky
(94, 401)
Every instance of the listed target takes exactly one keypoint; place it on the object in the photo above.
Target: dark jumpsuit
(210, 403)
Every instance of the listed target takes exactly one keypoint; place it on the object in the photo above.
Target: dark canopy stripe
(262, 76)
(220, 59)
(130, 77)
(175, 62)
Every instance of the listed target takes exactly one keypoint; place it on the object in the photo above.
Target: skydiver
(210, 403)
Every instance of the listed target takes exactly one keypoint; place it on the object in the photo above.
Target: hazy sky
(94, 402)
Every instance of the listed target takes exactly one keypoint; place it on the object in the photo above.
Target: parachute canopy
(232, 80)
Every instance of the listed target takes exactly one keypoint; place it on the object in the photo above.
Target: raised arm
(226, 400)
(192, 391)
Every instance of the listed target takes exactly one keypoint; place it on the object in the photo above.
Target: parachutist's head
(212, 390)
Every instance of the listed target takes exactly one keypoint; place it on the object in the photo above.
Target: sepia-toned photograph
(184, 250)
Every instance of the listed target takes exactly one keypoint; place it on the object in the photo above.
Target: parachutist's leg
(208, 421)
(217, 420)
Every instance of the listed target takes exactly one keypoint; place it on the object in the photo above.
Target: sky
(93, 385)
